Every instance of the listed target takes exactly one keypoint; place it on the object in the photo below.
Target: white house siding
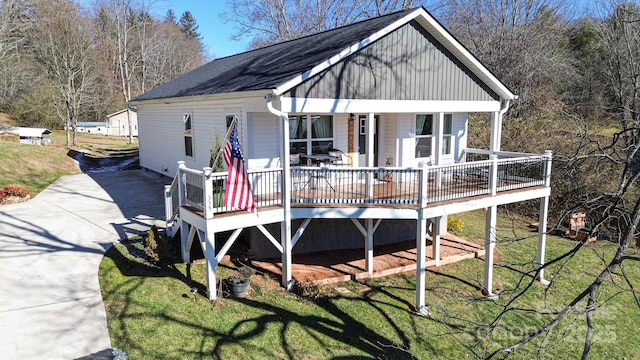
(118, 123)
(341, 132)
(460, 130)
(406, 142)
(389, 132)
(263, 149)
(162, 133)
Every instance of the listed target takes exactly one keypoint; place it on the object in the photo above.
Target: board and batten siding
(407, 64)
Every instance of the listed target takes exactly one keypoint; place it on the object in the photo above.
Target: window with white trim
(188, 135)
(447, 136)
(310, 137)
(424, 136)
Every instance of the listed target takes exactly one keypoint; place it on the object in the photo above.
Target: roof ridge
(324, 32)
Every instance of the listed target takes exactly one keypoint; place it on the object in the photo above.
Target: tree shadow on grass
(334, 325)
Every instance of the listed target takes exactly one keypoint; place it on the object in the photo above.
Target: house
(25, 135)
(92, 127)
(381, 105)
(118, 123)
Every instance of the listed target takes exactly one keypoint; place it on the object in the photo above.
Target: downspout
(496, 133)
(285, 229)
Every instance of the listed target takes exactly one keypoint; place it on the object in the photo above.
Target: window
(188, 135)
(229, 120)
(447, 139)
(424, 135)
(310, 137)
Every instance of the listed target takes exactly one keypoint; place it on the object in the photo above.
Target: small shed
(25, 135)
(8, 136)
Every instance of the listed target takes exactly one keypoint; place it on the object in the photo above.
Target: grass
(36, 167)
(152, 314)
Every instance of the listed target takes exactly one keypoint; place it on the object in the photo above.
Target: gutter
(506, 107)
(270, 107)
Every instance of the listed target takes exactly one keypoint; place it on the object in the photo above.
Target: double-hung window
(424, 136)
(188, 135)
(310, 134)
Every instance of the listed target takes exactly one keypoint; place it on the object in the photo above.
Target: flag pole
(226, 138)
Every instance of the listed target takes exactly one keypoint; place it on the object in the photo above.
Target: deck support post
(421, 268)
(435, 236)
(369, 247)
(542, 239)
(212, 262)
(489, 246)
(186, 239)
(542, 227)
(285, 226)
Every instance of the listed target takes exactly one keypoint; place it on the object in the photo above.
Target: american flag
(238, 194)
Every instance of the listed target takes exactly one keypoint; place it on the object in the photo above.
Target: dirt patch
(344, 265)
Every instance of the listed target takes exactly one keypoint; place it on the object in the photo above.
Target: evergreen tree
(171, 17)
(188, 26)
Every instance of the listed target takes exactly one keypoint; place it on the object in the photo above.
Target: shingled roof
(279, 67)
(268, 67)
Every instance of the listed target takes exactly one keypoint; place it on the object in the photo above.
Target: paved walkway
(50, 250)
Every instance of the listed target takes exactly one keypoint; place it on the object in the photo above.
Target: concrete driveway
(50, 250)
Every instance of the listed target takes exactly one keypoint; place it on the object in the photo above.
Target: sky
(215, 34)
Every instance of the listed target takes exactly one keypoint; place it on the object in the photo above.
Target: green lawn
(152, 314)
(34, 167)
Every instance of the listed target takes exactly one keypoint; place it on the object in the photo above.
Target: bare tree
(61, 38)
(120, 21)
(15, 64)
(272, 21)
(521, 41)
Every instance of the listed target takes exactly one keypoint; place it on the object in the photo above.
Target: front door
(362, 140)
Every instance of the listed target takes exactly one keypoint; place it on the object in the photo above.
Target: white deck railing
(203, 190)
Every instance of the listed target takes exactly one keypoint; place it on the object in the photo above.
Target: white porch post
(542, 221)
(370, 136)
(490, 243)
(435, 236)
(421, 268)
(212, 262)
(168, 211)
(369, 247)
(207, 186)
(285, 228)
(542, 238)
(439, 132)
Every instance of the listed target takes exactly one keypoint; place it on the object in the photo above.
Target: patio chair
(339, 158)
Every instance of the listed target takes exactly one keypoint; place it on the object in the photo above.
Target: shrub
(13, 190)
(455, 225)
(306, 289)
(155, 247)
(240, 274)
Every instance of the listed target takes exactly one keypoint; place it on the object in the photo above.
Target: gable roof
(27, 132)
(282, 66)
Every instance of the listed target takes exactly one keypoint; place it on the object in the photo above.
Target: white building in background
(118, 123)
(24, 135)
(92, 127)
